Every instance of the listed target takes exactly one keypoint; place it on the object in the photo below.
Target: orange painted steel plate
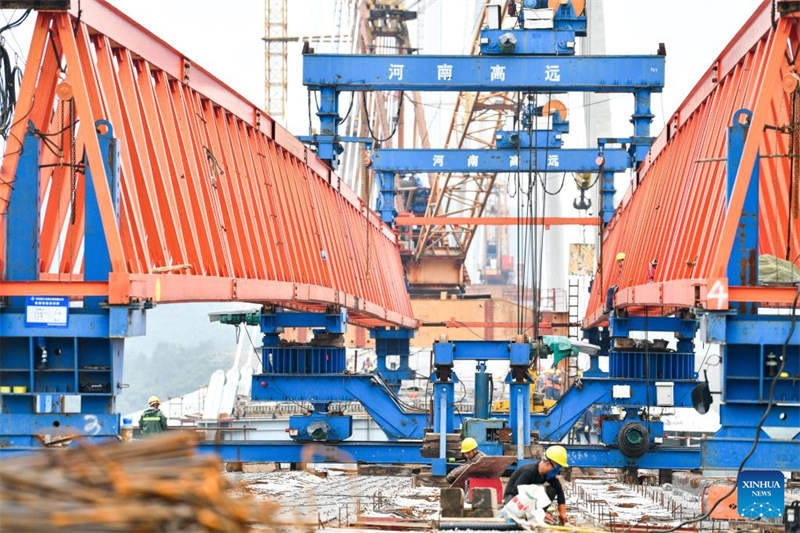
(577, 5)
(555, 105)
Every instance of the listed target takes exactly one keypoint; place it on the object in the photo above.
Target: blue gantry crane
(536, 57)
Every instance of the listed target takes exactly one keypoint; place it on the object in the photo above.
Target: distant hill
(179, 353)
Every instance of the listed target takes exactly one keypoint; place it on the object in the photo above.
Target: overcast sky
(225, 38)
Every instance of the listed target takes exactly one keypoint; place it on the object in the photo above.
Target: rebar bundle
(156, 484)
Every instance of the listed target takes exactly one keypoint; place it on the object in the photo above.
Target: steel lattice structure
(218, 202)
(476, 118)
(676, 212)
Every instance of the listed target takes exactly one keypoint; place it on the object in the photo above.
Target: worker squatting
(542, 472)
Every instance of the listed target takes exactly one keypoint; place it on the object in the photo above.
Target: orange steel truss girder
(217, 202)
(675, 210)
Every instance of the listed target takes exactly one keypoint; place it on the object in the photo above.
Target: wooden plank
(489, 466)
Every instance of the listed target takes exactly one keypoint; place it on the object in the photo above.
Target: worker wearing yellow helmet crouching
(469, 449)
(153, 420)
(543, 471)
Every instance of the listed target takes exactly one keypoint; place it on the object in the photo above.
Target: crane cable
(9, 77)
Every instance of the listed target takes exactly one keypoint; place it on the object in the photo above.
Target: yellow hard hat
(153, 399)
(557, 454)
(468, 444)
(620, 256)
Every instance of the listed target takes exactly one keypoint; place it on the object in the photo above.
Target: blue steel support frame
(555, 425)
(330, 74)
(500, 160)
(607, 195)
(329, 120)
(367, 389)
(444, 356)
(385, 201)
(559, 74)
(22, 252)
(334, 321)
(642, 118)
(742, 265)
(715, 454)
(525, 138)
(393, 342)
(71, 372)
(558, 40)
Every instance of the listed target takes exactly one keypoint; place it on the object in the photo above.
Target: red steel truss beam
(217, 201)
(676, 209)
(411, 220)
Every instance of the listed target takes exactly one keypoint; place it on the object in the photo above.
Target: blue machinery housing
(67, 372)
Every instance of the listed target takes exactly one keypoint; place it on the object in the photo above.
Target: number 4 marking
(717, 297)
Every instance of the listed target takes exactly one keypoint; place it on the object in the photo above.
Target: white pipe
(443, 427)
(520, 438)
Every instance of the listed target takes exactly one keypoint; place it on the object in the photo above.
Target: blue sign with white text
(46, 311)
(760, 494)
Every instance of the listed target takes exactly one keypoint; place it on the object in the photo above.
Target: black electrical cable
(349, 108)
(770, 403)
(536, 242)
(774, 20)
(554, 193)
(13, 24)
(9, 78)
(368, 120)
(308, 107)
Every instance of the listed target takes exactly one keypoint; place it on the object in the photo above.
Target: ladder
(573, 306)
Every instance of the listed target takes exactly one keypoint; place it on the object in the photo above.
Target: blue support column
(641, 119)
(482, 384)
(385, 202)
(520, 416)
(608, 191)
(328, 147)
(743, 263)
(599, 337)
(95, 246)
(443, 423)
(302, 359)
(393, 342)
(22, 222)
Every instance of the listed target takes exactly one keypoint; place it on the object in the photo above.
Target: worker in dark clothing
(153, 420)
(469, 449)
(544, 471)
(651, 271)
